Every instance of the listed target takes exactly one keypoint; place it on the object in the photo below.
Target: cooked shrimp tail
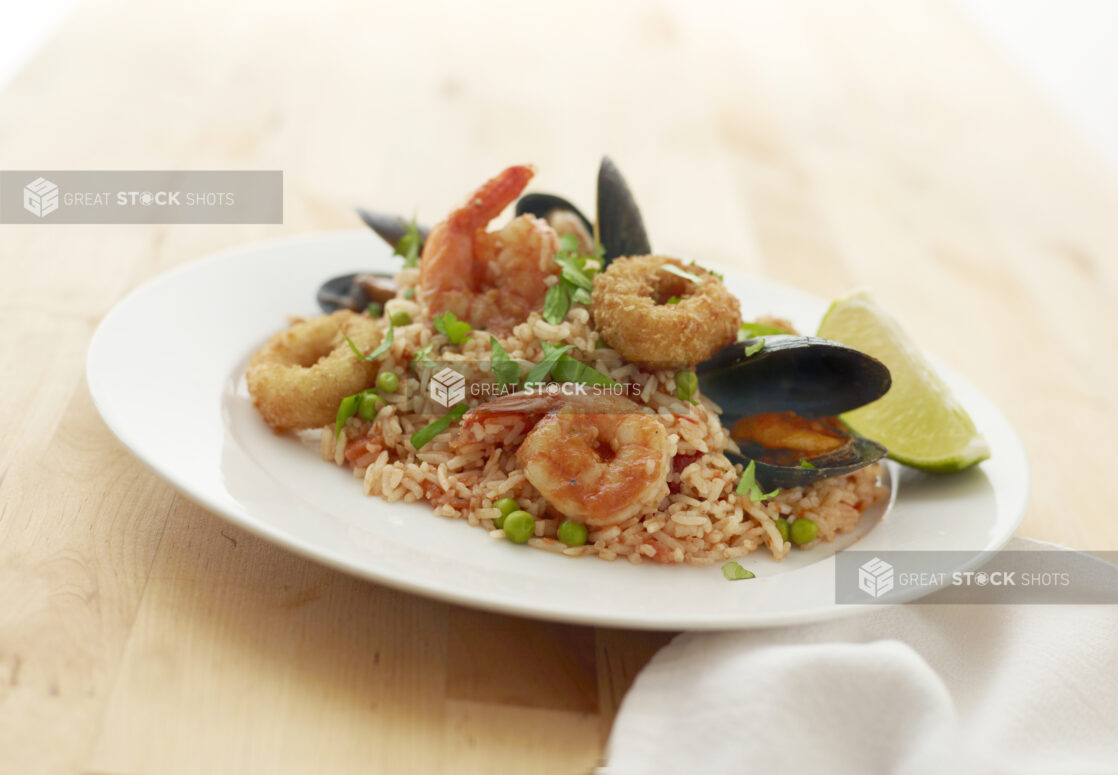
(490, 199)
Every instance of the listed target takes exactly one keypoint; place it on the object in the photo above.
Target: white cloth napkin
(908, 689)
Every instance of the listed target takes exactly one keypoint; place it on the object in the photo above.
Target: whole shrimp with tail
(493, 280)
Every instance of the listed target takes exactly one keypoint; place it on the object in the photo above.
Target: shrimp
(597, 459)
(496, 279)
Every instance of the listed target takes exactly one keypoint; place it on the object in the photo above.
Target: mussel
(620, 228)
(356, 291)
(780, 404)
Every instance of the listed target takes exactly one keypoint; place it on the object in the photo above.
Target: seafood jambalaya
(557, 383)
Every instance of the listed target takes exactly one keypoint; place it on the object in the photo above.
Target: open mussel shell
(620, 226)
(389, 227)
(858, 453)
(807, 376)
(802, 374)
(355, 291)
(563, 216)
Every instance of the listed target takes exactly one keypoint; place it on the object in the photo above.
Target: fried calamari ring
(300, 376)
(631, 310)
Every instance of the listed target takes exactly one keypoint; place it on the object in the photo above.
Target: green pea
(400, 317)
(519, 526)
(686, 384)
(387, 381)
(370, 404)
(803, 531)
(572, 533)
(375, 309)
(782, 527)
(506, 506)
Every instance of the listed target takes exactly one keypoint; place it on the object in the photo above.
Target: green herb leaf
(757, 496)
(568, 369)
(572, 271)
(431, 430)
(381, 348)
(423, 354)
(750, 330)
(456, 330)
(556, 303)
(754, 348)
(806, 464)
(673, 300)
(748, 478)
(551, 354)
(568, 243)
(505, 368)
(409, 293)
(579, 295)
(734, 572)
(408, 245)
(686, 383)
(346, 409)
(673, 269)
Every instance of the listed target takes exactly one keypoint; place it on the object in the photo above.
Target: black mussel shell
(857, 453)
(805, 375)
(802, 374)
(390, 228)
(620, 226)
(556, 210)
(356, 291)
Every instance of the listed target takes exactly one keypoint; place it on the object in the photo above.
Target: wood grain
(822, 144)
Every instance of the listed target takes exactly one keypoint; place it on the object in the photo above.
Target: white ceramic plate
(165, 370)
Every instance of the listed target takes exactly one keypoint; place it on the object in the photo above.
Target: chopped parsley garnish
(431, 430)
(563, 368)
(748, 485)
(381, 348)
(673, 269)
(734, 572)
(551, 353)
(346, 409)
(576, 279)
(408, 245)
(567, 369)
(505, 369)
(686, 383)
(806, 464)
(366, 404)
(673, 300)
(456, 330)
(556, 303)
(750, 330)
(409, 293)
(754, 348)
(423, 354)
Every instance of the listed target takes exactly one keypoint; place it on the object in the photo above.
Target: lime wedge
(918, 420)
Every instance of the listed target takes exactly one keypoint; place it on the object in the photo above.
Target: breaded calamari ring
(300, 376)
(631, 311)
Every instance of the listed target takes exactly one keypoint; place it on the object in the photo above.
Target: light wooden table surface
(824, 144)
